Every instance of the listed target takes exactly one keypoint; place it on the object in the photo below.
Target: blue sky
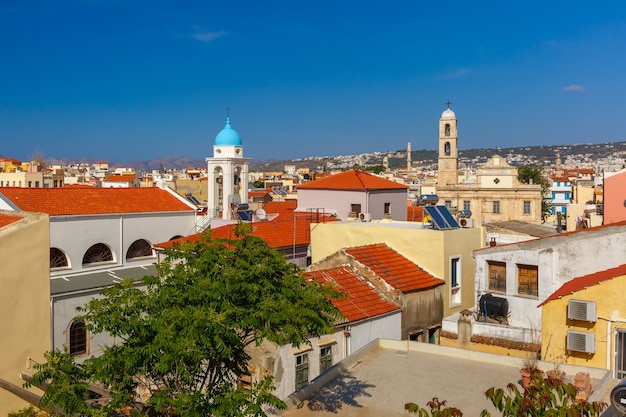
(127, 80)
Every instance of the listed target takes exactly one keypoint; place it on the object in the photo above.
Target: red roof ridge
(362, 301)
(393, 267)
(92, 200)
(580, 283)
(353, 180)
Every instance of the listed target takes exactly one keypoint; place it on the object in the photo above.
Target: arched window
(446, 148)
(447, 130)
(97, 253)
(78, 338)
(139, 249)
(57, 258)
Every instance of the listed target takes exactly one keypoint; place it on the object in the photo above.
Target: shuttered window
(497, 276)
(527, 280)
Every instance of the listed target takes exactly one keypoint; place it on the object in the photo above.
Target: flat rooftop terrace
(381, 378)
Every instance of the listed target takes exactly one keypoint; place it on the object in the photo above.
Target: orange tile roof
(361, 300)
(352, 180)
(6, 219)
(580, 283)
(121, 178)
(393, 268)
(280, 207)
(280, 232)
(91, 200)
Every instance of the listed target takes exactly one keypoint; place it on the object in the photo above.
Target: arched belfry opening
(447, 129)
(228, 174)
(446, 149)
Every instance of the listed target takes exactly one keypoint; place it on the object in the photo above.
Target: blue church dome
(228, 136)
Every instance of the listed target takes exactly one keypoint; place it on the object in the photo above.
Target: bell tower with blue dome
(227, 175)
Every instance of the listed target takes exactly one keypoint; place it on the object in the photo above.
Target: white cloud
(574, 87)
(204, 36)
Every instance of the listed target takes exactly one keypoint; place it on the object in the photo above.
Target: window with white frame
(455, 280)
(526, 208)
(496, 207)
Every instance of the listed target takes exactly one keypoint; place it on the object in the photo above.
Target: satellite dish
(261, 214)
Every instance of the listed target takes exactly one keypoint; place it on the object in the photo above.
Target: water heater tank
(492, 306)
(427, 199)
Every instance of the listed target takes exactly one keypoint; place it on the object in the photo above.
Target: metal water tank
(492, 306)
(427, 199)
(464, 214)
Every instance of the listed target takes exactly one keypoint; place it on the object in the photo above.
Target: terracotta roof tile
(585, 281)
(7, 219)
(91, 200)
(393, 268)
(352, 180)
(361, 300)
(280, 232)
(120, 178)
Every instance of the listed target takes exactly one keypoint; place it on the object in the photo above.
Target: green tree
(185, 337)
(259, 184)
(547, 397)
(376, 169)
(532, 174)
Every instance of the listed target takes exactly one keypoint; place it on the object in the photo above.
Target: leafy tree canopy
(549, 397)
(532, 174)
(376, 169)
(182, 338)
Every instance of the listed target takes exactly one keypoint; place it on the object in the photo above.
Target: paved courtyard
(383, 380)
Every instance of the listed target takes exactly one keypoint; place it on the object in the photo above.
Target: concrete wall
(340, 201)
(559, 259)
(430, 249)
(75, 234)
(24, 301)
(347, 339)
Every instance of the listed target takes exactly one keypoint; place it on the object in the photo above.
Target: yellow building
(24, 299)
(494, 195)
(584, 322)
(446, 254)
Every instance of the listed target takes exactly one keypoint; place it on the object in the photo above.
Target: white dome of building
(448, 114)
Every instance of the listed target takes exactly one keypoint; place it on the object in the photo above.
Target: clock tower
(448, 149)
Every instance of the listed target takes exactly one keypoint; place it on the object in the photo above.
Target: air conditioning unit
(581, 341)
(466, 222)
(365, 217)
(582, 310)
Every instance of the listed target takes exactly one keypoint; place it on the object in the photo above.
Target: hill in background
(543, 155)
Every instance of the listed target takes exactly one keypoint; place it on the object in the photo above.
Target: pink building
(615, 197)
